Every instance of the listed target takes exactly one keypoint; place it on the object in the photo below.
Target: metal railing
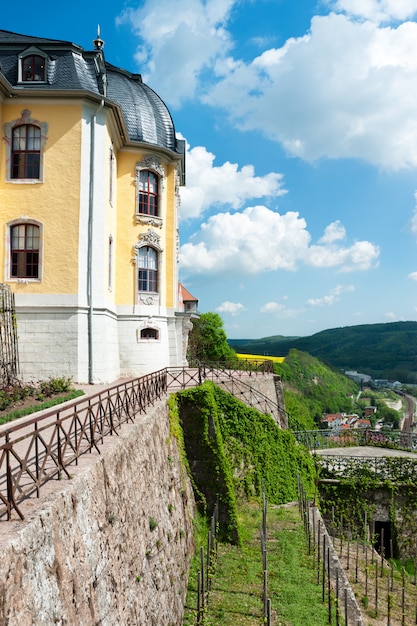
(232, 382)
(400, 470)
(38, 449)
(337, 438)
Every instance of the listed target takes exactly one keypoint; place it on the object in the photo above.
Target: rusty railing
(36, 450)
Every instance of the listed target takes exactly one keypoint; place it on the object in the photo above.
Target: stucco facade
(90, 170)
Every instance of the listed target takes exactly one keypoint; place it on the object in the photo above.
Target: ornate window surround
(8, 128)
(149, 163)
(151, 239)
(32, 51)
(23, 219)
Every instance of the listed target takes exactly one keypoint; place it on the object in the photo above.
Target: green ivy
(354, 496)
(233, 449)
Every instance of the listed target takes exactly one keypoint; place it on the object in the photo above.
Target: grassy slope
(236, 595)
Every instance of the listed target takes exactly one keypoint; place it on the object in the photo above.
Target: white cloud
(392, 317)
(362, 255)
(378, 10)
(347, 89)
(344, 90)
(332, 297)
(259, 240)
(234, 308)
(179, 39)
(333, 232)
(250, 242)
(209, 185)
(413, 276)
(279, 310)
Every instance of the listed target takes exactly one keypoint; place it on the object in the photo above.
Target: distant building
(186, 302)
(333, 420)
(358, 378)
(362, 423)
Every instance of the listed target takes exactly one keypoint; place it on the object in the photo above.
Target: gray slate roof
(69, 67)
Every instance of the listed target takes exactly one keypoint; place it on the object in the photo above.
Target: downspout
(90, 244)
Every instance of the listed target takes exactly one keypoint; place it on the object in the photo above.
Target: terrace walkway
(364, 452)
(41, 447)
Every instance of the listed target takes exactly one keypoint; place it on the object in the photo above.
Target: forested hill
(380, 350)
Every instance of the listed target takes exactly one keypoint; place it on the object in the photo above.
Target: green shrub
(5, 401)
(55, 385)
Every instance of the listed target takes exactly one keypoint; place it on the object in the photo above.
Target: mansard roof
(72, 69)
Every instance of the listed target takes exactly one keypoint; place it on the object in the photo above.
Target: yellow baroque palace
(90, 170)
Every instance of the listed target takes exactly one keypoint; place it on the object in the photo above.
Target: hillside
(380, 350)
(311, 388)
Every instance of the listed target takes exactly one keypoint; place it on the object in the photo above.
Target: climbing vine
(355, 495)
(232, 450)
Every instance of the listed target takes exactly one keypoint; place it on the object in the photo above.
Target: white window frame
(32, 51)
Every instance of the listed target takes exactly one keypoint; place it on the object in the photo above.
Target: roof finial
(98, 43)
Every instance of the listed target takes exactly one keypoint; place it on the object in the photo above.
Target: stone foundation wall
(112, 545)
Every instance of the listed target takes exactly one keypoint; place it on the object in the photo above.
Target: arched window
(148, 193)
(26, 151)
(147, 269)
(33, 68)
(149, 333)
(24, 251)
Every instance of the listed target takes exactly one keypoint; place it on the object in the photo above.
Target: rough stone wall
(110, 546)
(346, 594)
(268, 385)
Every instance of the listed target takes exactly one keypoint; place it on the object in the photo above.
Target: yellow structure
(90, 170)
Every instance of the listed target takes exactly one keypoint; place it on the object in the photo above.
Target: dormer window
(33, 68)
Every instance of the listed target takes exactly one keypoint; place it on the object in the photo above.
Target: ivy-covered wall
(348, 500)
(232, 449)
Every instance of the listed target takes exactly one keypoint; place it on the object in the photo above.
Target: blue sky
(300, 211)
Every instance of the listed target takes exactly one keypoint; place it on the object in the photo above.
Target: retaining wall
(112, 545)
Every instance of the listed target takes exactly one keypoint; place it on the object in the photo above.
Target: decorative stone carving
(152, 220)
(150, 238)
(149, 300)
(151, 163)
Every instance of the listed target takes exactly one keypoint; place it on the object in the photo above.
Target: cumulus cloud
(179, 39)
(362, 255)
(413, 276)
(378, 10)
(259, 240)
(255, 240)
(209, 185)
(279, 310)
(346, 89)
(332, 297)
(333, 232)
(234, 308)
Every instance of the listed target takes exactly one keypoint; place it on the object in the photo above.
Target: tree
(208, 340)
